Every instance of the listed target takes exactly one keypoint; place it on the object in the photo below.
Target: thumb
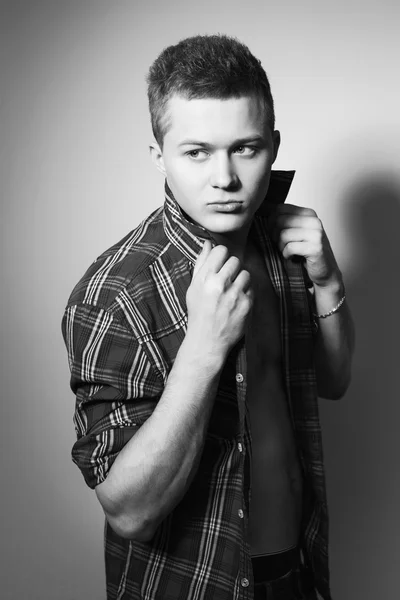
(201, 259)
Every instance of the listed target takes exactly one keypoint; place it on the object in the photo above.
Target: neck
(235, 242)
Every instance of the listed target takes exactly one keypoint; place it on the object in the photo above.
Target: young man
(198, 346)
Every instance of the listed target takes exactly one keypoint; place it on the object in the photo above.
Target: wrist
(203, 352)
(329, 299)
(333, 287)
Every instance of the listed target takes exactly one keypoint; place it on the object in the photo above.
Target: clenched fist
(298, 231)
(219, 300)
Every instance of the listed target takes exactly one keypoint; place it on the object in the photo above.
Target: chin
(228, 224)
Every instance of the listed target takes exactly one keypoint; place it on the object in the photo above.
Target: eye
(245, 150)
(196, 154)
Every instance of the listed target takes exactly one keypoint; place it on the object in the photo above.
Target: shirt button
(240, 447)
(239, 377)
(240, 513)
(245, 582)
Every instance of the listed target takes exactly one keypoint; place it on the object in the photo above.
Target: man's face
(217, 158)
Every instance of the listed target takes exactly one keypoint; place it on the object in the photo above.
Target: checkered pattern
(123, 326)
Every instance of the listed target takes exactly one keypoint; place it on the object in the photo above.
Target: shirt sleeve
(115, 385)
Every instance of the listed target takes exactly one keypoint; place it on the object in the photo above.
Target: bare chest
(266, 395)
(263, 338)
(276, 480)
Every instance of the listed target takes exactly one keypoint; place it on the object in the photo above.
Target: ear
(157, 157)
(276, 138)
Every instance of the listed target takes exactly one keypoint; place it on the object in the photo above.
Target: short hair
(205, 66)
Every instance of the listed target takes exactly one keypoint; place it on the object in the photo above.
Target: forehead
(213, 120)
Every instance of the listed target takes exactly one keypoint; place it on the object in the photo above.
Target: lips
(229, 206)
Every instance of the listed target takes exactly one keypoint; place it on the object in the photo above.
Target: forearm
(334, 342)
(153, 471)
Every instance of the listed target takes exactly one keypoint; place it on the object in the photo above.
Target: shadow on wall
(362, 431)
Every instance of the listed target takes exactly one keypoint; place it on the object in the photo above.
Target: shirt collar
(189, 237)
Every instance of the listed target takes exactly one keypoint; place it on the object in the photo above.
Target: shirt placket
(245, 576)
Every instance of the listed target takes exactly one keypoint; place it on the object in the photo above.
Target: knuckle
(215, 285)
(319, 223)
(310, 212)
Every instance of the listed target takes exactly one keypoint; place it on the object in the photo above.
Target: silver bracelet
(331, 312)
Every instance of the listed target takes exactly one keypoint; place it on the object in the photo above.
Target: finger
(250, 294)
(242, 282)
(292, 235)
(248, 303)
(304, 249)
(216, 259)
(231, 269)
(286, 236)
(202, 257)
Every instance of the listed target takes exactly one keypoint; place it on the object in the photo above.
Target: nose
(223, 174)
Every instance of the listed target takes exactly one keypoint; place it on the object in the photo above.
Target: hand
(299, 232)
(219, 299)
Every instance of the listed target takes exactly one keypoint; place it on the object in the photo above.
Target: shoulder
(126, 265)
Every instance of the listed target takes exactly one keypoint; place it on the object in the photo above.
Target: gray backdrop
(75, 176)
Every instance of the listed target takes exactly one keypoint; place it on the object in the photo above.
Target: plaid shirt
(123, 326)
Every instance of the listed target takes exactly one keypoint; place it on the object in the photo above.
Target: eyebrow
(239, 142)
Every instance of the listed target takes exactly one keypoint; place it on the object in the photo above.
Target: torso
(276, 482)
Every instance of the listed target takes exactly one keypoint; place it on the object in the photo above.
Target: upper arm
(115, 384)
